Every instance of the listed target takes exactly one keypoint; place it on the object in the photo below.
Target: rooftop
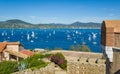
(16, 53)
(27, 52)
(113, 24)
(3, 44)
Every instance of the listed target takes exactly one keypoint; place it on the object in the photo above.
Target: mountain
(16, 23)
(90, 24)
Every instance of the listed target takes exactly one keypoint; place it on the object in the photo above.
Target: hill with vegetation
(15, 23)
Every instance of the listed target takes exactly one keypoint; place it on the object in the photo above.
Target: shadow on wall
(118, 72)
(103, 37)
(103, 44)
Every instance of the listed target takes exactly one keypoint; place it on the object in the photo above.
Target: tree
(80, 48)
(72, 47)
(58, 48)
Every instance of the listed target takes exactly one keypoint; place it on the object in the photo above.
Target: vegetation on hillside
(80, 48)
(8, 67)
(15, 23)
(34, 62)
(60, 60)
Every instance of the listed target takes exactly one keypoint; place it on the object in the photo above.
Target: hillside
(15, 23)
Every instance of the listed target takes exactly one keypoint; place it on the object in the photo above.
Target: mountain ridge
(16, 23)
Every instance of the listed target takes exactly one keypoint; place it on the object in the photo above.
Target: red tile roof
(27, 52)
(11, 43)
(3, 44)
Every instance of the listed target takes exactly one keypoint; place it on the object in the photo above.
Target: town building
(13, 51)
(110, 44)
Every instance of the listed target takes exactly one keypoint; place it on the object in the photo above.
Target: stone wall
(114, 67)
(117, 40)
(77, 67)
(50, 69)
(73, 67)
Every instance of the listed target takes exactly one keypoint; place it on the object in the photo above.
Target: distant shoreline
(52, 28)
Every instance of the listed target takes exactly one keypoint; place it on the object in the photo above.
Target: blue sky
(60, 11)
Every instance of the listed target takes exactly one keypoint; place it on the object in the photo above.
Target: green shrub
(58, 48)
(72, 47)
(59, 59)
(35, 61)
(48, 55)
(8, 67)
(64, 65)
(22, 66)
(78, 47)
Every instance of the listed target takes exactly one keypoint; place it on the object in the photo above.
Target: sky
(60, 11)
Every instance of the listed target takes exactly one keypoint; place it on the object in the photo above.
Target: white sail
(12, 33)
(50, 34)
(68, 36)
(2, 33)
(28, 37)
(94, 42)
(89, 38)
(33, 34)
(94, 35)
(54, 32)
(76, 32)
(32, 41)
(74, 42)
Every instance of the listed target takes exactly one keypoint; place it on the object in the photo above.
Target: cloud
(33, 17)
(111, 14)
(94, 19)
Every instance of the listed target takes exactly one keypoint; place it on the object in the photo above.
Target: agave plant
(22, 66)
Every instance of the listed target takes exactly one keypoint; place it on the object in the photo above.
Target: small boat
(3, 33)
(54, 32)
(68, 36)
(50, 34)
(32, 41)
(94, 42)
(74, 42)
(28, 37)
(12, 33)
(33, 34)
(94, 35)
(89, 38)
(76, 32)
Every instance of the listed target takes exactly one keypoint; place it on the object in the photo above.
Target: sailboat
(28, 37)
(83, 42)
(94, 35)
(3, 33)
(33, 34)
(12, 32)
(54, 32)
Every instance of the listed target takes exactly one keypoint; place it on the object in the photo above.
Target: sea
(53, 38)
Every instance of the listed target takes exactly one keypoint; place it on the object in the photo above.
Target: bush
(48, 55)
(59, 59)
(8, 67)
(72, 47)
(80, 48)
(58, 48)
(35, 61)
(22, 66)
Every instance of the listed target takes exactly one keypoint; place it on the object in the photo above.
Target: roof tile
(27, 52)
